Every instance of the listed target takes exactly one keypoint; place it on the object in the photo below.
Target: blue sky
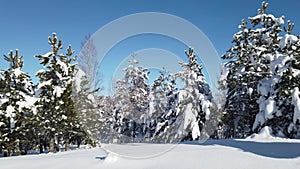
(25, 25)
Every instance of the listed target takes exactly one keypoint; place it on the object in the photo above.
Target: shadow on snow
(267, 149)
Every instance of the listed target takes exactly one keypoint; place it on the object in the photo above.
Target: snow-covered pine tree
(194, 100)
(107, 119)
(248, 62)
(70, 121)
(281, 110)
(121, 101)
(132, 101)
(157, 102)
(16, 109)
(165, 106)
(54, 105)
(287, 88)
(3, 118)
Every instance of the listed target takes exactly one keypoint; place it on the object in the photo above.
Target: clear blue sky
(26, 24)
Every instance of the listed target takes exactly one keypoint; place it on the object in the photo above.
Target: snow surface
(17, 72)
(287, 40)
(58, 91)
(264, 134)
(46, 83)
(91, 98)
(64, 67)
(10, 111)
(261, 151)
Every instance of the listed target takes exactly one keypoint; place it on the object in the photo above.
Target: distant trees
(164, 113)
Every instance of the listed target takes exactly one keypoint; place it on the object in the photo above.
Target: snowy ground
(258, 151)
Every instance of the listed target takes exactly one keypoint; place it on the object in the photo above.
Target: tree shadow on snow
(267, 149)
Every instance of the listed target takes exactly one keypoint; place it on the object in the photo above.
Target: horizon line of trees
(259, 87)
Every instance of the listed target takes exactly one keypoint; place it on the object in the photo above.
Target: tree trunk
(5, 153)
(51, 146)
(41, 148)
(78, 143)
(67, 145)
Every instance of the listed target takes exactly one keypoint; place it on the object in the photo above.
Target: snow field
(260, 151)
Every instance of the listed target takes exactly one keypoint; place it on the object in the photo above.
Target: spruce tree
(248, 62)
(132, 101)
(16, 109)
(55, 106)
(187, 109)
(284, 117)
(166, 95)
(194, 99)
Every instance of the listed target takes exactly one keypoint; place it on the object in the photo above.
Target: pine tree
(132, 101)
(284, 118)
(249, 63)
(3, 118)
(166, 95)
(16, 109)
(55, 106)
(194, 98)
(107, 131)
(121, 106)
(186, 109)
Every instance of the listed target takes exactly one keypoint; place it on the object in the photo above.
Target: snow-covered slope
(213, 154)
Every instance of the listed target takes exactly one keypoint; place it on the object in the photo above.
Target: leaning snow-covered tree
(248, 62)
(194, 101)
(55, 106)
(17, 107)
(194, 98)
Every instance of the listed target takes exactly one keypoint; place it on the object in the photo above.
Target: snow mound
(264, 134)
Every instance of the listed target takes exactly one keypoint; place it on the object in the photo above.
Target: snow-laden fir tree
(132, 101)
(3, 118)
(194, 98)
(194, 101)
(107, 131)
(280, 104)
(157, 102)
(121, 101)
(248, 62)
(165, 107)
(287, 118)
(55, 106)
(17, 107)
